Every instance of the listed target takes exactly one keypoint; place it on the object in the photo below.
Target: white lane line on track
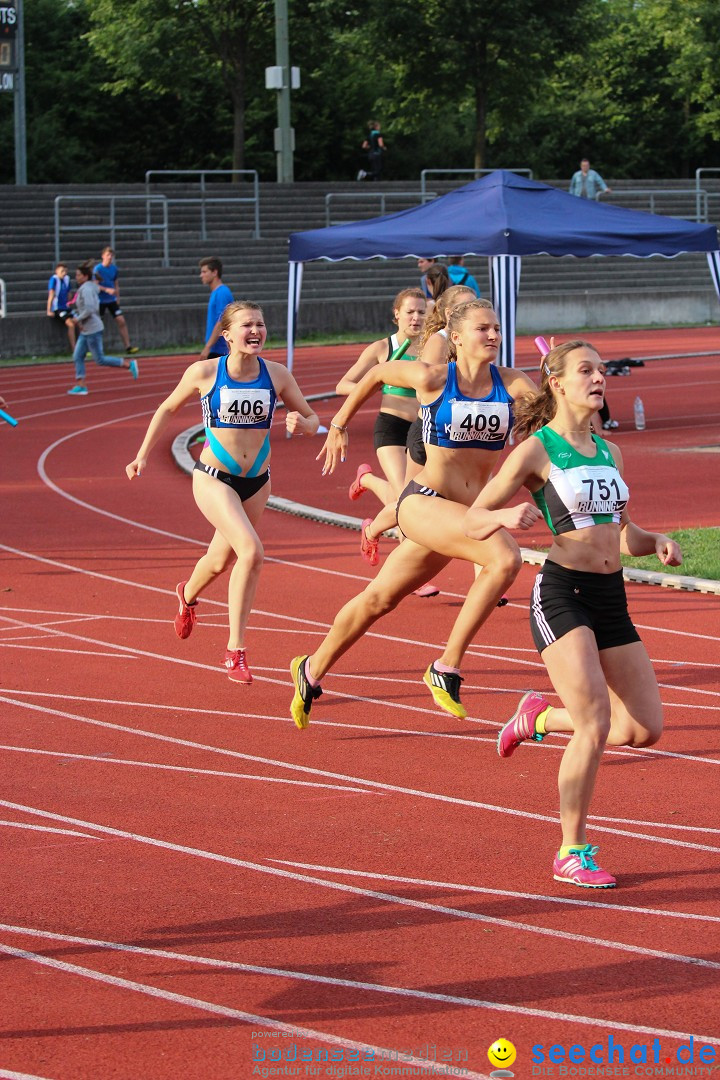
(374, 784)
(47, 829)
(390, 898)
(124, 650)
(267, 614)
(7, 1075)
(154, 706)
(341, 724)
(72, 652)
(103, 760)
(42, 472)
(511, 894)
(378, 987)
(224, 1010)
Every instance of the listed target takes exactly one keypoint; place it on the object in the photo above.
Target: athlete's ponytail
(533, 411)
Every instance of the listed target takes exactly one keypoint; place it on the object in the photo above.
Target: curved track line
(373, 894)
(251, 968)
(374, 784)
(508, 893)
(179, 768)
(220, 1010)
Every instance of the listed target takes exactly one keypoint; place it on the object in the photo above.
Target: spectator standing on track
(467, 415)
(460, 276)
(58, 301)
(578, 616)
(231, 481)
(106, 275)
(211, 270)
(586, 183)
(90, 326)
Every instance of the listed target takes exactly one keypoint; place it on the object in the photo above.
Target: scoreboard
(8, 45)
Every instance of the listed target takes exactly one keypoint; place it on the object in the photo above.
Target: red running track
(191, 883)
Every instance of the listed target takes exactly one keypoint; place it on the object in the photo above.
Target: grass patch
(700, 550)
(701, 555)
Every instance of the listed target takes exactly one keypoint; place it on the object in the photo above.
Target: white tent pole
(295, 276)
(713, 258)
(505, 281)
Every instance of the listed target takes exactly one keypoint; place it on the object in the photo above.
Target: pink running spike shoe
(187, 613)
(580, 868)
(522, 724)
(369, 547)
(356, 489)
(236, 664)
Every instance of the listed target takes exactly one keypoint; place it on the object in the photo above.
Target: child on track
(579, 618)
(90, 337)
(231, 481)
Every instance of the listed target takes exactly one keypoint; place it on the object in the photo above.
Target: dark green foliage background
(115, 87)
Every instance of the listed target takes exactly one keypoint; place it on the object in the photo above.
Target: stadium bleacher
(165, 305)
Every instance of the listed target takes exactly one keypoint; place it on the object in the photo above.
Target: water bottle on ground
(639, 411)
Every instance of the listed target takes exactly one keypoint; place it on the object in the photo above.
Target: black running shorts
(390, 430)
(563, 599)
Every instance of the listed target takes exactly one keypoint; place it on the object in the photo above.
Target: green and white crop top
(399, 391)
(580, 491)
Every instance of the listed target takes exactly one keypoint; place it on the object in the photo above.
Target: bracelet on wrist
(338, 427)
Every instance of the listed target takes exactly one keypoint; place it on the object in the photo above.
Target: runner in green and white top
(579, 619)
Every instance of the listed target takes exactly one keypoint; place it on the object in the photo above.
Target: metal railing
(113, 225)
(3, 308)
(203, 199)
(381, 195)
(462, 172)
(700, 196)
(698, 189)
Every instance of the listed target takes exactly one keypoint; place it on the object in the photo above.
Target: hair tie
(546, 369)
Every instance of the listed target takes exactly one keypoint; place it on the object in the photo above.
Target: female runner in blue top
(231, 481)
(467, 414)
(579, 618)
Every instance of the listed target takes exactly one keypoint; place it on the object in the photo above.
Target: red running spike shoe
(236, 664)
(187, 613)
(356, 489)
(369, 547)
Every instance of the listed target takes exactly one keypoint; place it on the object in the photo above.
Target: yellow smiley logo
(502, 1054)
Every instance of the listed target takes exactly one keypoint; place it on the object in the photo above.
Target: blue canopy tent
(502, 216)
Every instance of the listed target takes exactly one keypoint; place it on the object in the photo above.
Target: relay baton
(542, 346)
(401, 350)
(8, 418)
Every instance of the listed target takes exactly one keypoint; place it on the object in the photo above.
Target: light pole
(282, 78)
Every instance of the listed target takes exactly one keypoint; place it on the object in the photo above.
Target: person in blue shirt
(211, 270)
(106, 275)
(586, 183)
(58, 301)
(460, 276)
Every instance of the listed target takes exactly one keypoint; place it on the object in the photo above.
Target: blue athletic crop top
(456, 421)
(243, 405)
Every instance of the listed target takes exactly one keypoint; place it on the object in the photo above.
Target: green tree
(160, 46)
(485, 60)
